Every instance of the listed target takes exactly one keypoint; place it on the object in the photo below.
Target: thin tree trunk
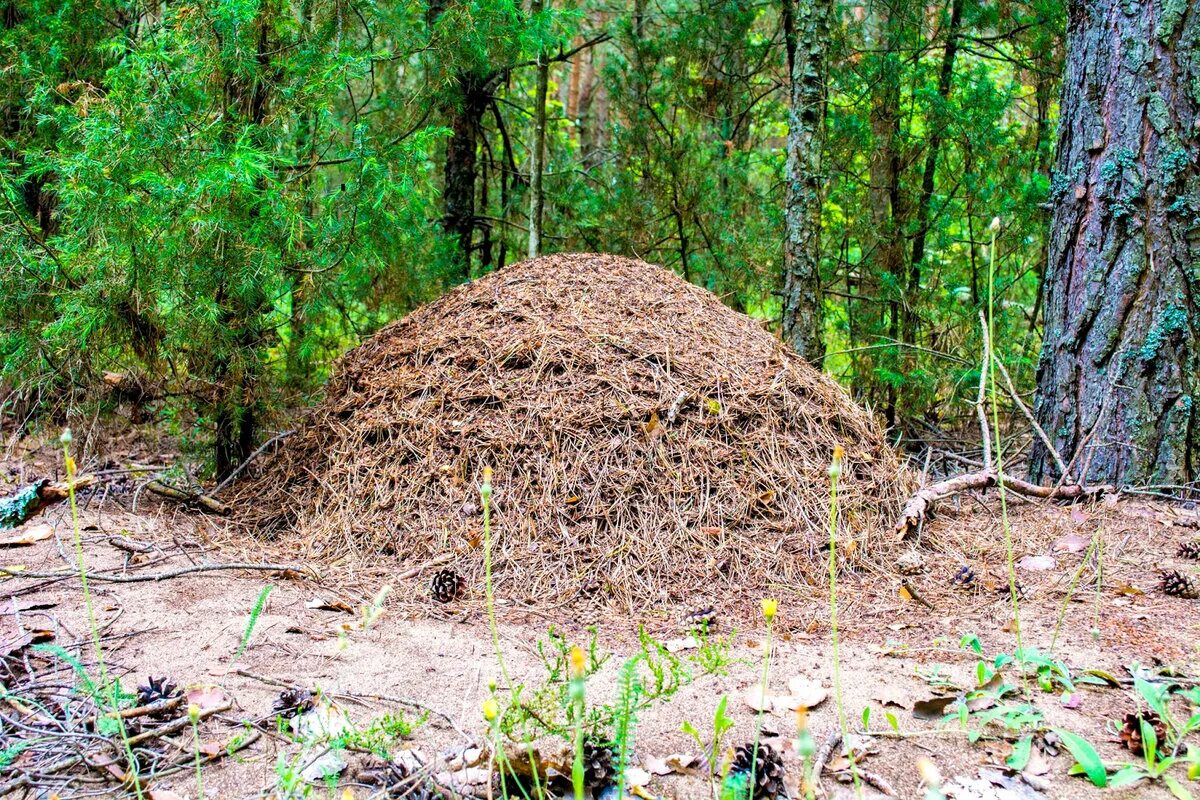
(806, 34)
(1120, 367)
(945, 78)
(537, 198)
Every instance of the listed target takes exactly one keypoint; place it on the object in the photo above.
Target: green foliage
(216, 198)
(252, 620)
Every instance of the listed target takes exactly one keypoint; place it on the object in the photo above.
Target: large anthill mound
(647, 442)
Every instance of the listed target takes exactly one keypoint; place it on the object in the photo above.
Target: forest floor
(434, 662)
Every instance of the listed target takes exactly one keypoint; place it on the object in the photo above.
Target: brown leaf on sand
(27, 535)
(1036, 563)
(805, 693)
(757, 698)
(207, 698)
(1072, 543)
(676, 762)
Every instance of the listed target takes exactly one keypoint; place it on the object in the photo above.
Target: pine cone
(1189, 550)
(394, 779)
(767, 780)
(599, 772)
(702, 620)
(911, 563)
(964, 578)
(447, 586)
(156, 690)
(1131, 730)
(293, 702)
(1176, 584)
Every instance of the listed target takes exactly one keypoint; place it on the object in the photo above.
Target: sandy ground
(420, 654)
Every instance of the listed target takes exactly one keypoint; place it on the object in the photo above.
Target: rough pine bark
(806, 32)
(1119, 367)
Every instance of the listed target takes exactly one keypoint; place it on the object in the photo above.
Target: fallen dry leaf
(676, 762)
(756, 697)
(686, 643)
(1073, 543)
(207, 698)
(807, 693)
(636, 777)
(1036, 563)
(27, 535)
(321, 604)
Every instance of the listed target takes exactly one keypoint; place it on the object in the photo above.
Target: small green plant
(714, 655)
(379, 736)
(721, 725)
(252, 621)
(193, 712)
(625, 718)
(990, 361)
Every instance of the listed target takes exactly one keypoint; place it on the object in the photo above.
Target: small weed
(252, 621)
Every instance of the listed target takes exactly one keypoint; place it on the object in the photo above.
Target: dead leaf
(27, 535)
(636, 777)
(676, 762)
(207, 698)
(807, 693)
(321, 604)
(1072, 543)
(933, 708)
(652, 424)
(1129, 589)
(675, 645)
(890, 695)
(1036, 563)
(756, 697)
(164, 794)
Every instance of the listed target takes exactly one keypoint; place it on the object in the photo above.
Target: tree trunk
(806, 33)
(537, 152)
(933, 149)
(1119, 366)
(458, 194)
(888, 207)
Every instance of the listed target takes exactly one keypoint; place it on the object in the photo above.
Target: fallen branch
(16, 572)
(921, 504)
(188, 498)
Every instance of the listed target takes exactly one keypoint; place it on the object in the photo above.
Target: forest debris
(921, 504)
(26, 503)
(27, 535)
(190, 498)
(621, 356)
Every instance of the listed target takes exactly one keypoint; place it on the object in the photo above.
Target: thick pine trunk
(806, 31)
(1119, 366)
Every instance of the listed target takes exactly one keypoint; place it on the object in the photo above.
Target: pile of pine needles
(648, 443)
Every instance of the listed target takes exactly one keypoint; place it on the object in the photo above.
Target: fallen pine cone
(447, 586)
(1131, 730)
(1176, 584)
(293, 702)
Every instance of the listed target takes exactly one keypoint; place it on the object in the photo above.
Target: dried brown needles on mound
(648, 442)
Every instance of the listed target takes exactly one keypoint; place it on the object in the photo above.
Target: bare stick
(1037, 429)
(920, 504)
(984, 430)
(193, 498)
(155, 576)
(238, 471)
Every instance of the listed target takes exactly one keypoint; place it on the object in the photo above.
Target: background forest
(211, 200)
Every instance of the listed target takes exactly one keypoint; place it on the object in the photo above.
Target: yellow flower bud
(770, 606)
(578, 662)
(491, 709)
(193, 712)
(930, 775)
